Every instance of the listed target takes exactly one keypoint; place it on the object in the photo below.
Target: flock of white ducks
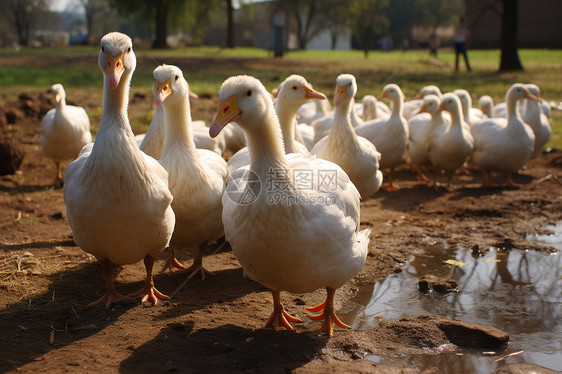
(299, 232)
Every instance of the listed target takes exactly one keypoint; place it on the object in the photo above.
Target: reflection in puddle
(516, 291)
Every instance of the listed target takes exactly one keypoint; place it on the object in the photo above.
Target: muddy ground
(215, 325)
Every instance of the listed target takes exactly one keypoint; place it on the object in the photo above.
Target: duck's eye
(294, 88)
(177, 77)
(103, 49)
(129, 49)
(249, 93)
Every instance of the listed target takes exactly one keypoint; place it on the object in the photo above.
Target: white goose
(374, 109)
(504, 144)
(390, 136)
(65, 129)
(308, 242)
(196, 177)
(412, 107)
(420, 128)
(486, 105)
(117, 198)
(292, 93)
(313, 110)
(535, 117)
(471, 115)
(357, 156)
(451, 144)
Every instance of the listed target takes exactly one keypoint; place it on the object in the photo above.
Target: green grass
(207, 67)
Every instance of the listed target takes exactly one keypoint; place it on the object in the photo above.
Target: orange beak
(163, 90)
(530, 96)
(114, 69)
(227, 112)
(312, 94)
(423, 109)
(441, 107)
(341, 94)
(383, 95)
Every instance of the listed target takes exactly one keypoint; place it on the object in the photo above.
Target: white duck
(471, 115)
(389, 136)
(117, 198)
(374, 109)
(292, 93)
(412, 107)
(535, 117)
(196, 177)
(420, 128)
(65, 129)
(486, 105)
(357, 156)
(312, 242)
(504, 144)
(451, 144)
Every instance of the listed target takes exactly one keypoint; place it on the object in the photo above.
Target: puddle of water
(516, 291)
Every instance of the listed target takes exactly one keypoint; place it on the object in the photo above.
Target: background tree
(93, 10)
(334, 16)
(435, 13)
(305, 13)
(23, 15)
(370, 22)
(509, 54)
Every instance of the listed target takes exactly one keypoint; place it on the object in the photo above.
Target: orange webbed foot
(109, 298)
(149, 293)
(329, 319)
(280, 318)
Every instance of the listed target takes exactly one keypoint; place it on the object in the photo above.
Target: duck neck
(266, 148)
(354, 117)
(342, 130)
(177, 120)
(287, 116)
(397, 107)
(511, 109)
(456, 116)
(438, 117)
(115, 101)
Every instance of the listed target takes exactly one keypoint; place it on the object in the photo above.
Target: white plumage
(390, 136)
(196, 177)
(504, 144)
(117, 199)
(291, 236)
(355, 154)
(65, 129)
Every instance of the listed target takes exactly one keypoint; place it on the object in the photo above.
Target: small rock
(473, 335)
(431, 282)
(524, 369)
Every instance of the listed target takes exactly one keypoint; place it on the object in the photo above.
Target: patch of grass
(206, 68)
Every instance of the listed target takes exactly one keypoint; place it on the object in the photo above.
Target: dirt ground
(215, 325)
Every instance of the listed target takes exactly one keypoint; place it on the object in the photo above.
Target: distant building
(539, 23)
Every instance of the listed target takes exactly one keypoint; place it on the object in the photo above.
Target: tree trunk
(161, 26)
(230, 25)
(509, 54)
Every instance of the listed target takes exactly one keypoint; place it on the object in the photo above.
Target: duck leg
(111, 295)
(487, 180)
(149, 292)
(390, 187)
(58, 180)
(172, 262)
(280, 318)
(510, 182)
(328, 315)
(197, 265)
